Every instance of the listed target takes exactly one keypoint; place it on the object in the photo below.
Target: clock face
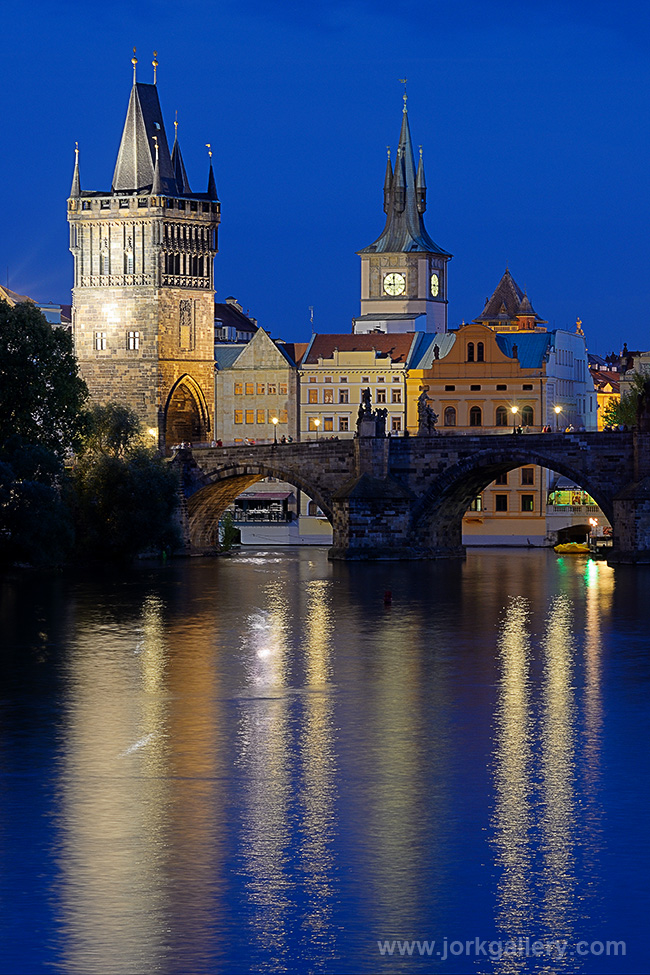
(435, 284)
(395, 283)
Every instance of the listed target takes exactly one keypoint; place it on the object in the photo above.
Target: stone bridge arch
(436, 518)
(212, 490)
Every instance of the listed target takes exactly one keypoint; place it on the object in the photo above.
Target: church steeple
(75, 190)
(178, 166)
(134, 169)
(212, 186)
(421, 186)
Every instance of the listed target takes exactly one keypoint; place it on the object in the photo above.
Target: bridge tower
(404, 273)
(143, 294)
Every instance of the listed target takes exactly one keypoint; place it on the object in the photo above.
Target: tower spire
(75, 190)
(212, 186)
(134, 62)
(388, 182)
(421, 186)
(156, 186)
(178, 166)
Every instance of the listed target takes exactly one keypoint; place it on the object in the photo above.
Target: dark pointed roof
(75, 189)
(507, 303)
(404, 230)
(134, 170)
(178, 168)
(212, 186)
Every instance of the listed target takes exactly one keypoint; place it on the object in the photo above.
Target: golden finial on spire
(76, 151)
(388, 151)
(209, 148)
(176, 124)
(134, 62)
(155, 65)
(420, 148)
(403, 81)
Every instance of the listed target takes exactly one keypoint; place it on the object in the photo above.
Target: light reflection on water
(259, 766)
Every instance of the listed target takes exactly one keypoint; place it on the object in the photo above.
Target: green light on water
(591, 573)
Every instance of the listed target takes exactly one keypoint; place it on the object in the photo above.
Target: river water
(256, 763)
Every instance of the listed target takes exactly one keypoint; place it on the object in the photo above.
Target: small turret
(388, 182)
(212, 186)
(75, 189)
(399, 183)
(421, 187)
(156, 186)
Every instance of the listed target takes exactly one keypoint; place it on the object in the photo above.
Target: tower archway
(186, 413)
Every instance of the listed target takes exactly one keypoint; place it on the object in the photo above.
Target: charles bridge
(404, 498)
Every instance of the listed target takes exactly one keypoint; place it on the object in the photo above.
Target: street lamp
(274, 421)
(317, 424)
(557, 410)
(514, 410)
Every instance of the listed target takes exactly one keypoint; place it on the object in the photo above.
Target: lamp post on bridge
(557, 410)
(514, 410)
(317, 425)
(274, 421)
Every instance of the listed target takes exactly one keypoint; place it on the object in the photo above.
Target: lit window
(250, 416)
(250, 389)
(272, 389)
(312, 396)
(100, 341)
(328, 379)
(133, 341)
(261, 416)
(477, 504)
(397, 396)
(283, 389)
(239, 416)
(261, 389)
(527, 502)
(313, 426)
(239, 389)
(282, 416)
(328, 395)
(312, 379)
(328, 423)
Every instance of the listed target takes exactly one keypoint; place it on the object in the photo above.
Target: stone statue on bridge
(370, 423)
(427, 419)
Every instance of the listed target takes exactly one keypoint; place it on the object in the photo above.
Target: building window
(239, 389)
(500, 502)
(282, 417)
(476, 504)
(250, 389)
(470, 352)
(344, 395)
(475, 417)
(186, 331)
(501, 478)
(250, 416)
(312, 396)
(343, 379)
(313, 426)
(380, 396)
(239, 416)
(272, 389)
(100, 341)
(86, 205)
(480, 352)
(328, 379)
(501, 416)
(104, 264)
(365, 379)
(501, 386)
(381, 379)
(396, 379)
(344, 424)
(328, 423)
(397, 396)
(133, 341)
(527, 502)
(527, 416)
(450, 416)
(261, 389)
(396, 424)
(261, 416)
(450, 389)
(129, 262)
(527, 386)
(475, 389)
(313, 510)
(283, 389)
(527, 475)
(328, 396)
(312, 379)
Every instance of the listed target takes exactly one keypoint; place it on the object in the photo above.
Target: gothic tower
(143, 295)
(404, 273)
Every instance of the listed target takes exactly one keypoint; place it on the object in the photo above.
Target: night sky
(533, 120)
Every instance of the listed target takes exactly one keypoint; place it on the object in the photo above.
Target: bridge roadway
(404, 497)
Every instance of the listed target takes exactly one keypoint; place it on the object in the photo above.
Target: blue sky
(533, 119)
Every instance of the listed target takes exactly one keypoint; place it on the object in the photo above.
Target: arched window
(480, 354)
(450, 416)
(475, 418)
(501, 416)
(527, 416)
(470, 352)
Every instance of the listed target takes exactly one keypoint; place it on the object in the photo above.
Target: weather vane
(176, 124)
(209, 148)
(134, 62)
(155, 65)
(403, 81)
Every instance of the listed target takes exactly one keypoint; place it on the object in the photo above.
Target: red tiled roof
(393, 347)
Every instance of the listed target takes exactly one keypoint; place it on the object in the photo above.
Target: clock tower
(403, 273)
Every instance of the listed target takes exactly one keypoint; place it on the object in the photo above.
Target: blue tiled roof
(532, 347)
(422, 356)
(226, 355)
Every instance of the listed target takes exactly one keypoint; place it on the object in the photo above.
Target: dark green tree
(622, 409)
(125, 493)
(41, 392)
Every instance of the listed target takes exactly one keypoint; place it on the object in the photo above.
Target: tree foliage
(621, 410)
(125, 493)
(41, 392)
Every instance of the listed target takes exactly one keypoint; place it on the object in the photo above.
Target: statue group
(427, 419)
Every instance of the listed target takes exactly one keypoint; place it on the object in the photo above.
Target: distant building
(231, 324)
(143, 296)
(403, 273)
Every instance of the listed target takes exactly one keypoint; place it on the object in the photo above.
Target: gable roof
(507, 302)
(532, 347)
(230, 316)
(424, 355)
